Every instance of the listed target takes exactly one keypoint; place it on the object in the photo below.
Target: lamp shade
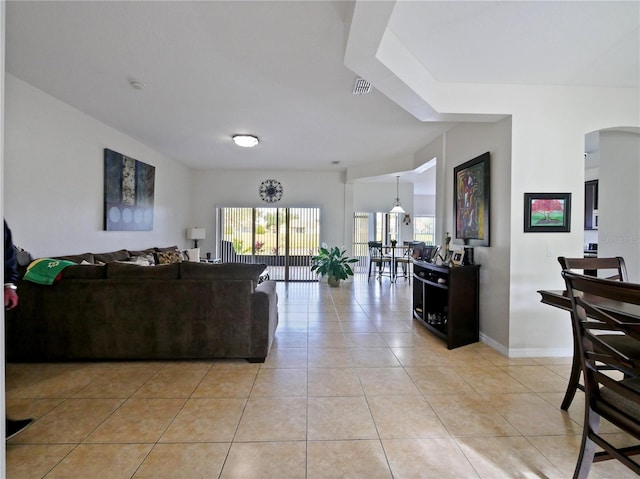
(196, 233)
(397, 207)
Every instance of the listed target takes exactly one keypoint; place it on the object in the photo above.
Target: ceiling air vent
(361, 87)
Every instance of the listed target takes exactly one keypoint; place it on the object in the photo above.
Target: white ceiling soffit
(572, 43)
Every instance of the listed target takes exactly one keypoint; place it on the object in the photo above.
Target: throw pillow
(168, 257)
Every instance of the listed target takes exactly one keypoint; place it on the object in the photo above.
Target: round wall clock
(271, 191)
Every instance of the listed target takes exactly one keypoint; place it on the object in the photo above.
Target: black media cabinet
(446, 301)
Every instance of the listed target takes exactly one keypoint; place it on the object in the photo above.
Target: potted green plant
(333, 263)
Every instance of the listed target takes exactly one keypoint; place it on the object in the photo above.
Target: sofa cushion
(190, 270)
(144, 252)
(78, 258)
(134, 271)
(168, 257)
(85, 271)
(120, 255)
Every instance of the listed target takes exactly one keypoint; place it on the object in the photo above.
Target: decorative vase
(333, 281)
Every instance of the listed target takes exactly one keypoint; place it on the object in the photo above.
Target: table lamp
(196, 234)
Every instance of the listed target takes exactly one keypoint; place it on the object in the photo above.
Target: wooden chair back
(613, 266)
(606, 306)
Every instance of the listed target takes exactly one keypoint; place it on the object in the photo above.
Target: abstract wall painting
(472, 193)
(128, 193)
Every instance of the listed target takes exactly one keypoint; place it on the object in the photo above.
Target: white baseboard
(527, 352)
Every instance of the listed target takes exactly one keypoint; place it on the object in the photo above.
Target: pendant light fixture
(397, 207)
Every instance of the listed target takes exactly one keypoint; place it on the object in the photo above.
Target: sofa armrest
(264, 309)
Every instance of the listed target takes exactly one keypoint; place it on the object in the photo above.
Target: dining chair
(613, 269)
(405, 259)
(377, 259)
(600, 305)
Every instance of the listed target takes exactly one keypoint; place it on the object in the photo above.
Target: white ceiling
(276, 69)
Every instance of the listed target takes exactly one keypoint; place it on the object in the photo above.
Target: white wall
(228, 188)
(53, 179)
(619, 214)
(424, 205)
(462, 144)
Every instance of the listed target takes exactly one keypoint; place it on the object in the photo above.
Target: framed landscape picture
(471, 195)
(547, 212)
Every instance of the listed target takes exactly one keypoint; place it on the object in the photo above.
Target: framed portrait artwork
(471, 195)
(547, 212)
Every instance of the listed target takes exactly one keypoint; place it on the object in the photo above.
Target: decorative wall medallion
(271, 191)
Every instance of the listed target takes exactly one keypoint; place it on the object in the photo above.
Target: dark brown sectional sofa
(123, 311)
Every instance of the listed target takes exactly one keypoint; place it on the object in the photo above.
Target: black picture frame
(472, 200)
(555, 209)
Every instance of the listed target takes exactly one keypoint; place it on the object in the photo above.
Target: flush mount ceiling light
(397, 207)
(245, 141)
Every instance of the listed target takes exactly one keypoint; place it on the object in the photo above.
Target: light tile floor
(353, 388)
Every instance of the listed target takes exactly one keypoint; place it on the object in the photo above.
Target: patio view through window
(383, 226)
(282, 238)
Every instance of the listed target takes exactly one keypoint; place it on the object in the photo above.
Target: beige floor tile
(359, 324)
(334, 382)
(537, 378)
(30, 408)
(533, 416)
(365, 340)
(115, 383)
(171, 383)
(402, 340)
(71, 422)
(226, 383)
(290, 340)
(62, 385)
(137, 421)
(374, 358)
(433, 458)
(414, 357)
(507, 457)
(259, 460)
(386, 381)
(336, 418)
(34, 460)
(470, 415)
(562, 452)
(235, 364)
(106, 461)
(330, 358)
(183, 461)
(491, 380)
(346, 459)
(286, 358)
(312, 412)
(293, 325)
(319, 327)
(273, 419)
(327, 340)
(439, 381)
(394, 327)
(206, 420)
(280, 383)
(405, 417)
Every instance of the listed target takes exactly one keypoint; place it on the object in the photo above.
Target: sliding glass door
(283, 238)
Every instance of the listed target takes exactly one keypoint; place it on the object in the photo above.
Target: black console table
(446, 301)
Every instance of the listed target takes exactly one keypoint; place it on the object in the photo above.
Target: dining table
(392, 249)
(560, 299)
